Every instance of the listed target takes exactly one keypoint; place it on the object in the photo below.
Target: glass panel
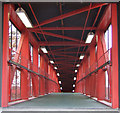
(106, 84)
(16, 86)
(108, 42)
(39, 60)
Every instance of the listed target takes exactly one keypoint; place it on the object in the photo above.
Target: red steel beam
(97, 16)
(62, 43)
(95, 20)
(64, 59)
(64, 48)
(66, 55)
(86, 21)
(68, 52)
(61, 19)
(40, 28)
(75, 12)
(84, 28)
(57, 35)
(61, 28)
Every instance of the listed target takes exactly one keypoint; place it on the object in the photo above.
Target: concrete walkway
(61, 101)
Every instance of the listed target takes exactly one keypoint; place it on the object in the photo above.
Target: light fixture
(58, 74)
(44, 50)
(81, 57)
(55, 67)
(73, 85)
(59, 82)
(51, 61)
(73, 90)
(24, 17)
(77, 65)
(75, 71)
(89, 37)
(61, 88)
(74, 78)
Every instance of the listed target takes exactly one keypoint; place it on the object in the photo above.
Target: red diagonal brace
(61, 28)
(75, 12)
(59, 36)
(62, 43)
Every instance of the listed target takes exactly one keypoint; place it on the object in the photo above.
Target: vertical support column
(35, 68)
(24, 73)
(1, 44)
(118, 14)
(46, 74)
(100, 80)
(50, 76)
(114, 57)
(42, 80)
(5, 69)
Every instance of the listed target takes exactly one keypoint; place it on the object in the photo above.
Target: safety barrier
(18, 63)
(98, 73)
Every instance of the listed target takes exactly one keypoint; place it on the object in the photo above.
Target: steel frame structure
(110, 16)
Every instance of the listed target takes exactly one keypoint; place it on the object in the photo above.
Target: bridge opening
(60, 54)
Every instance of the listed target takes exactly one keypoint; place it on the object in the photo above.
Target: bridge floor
(61, 101)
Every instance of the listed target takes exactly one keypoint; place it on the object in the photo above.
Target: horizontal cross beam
(75, 12)
(62, 43)
(68, 52)
(57, 35)
(61, 28)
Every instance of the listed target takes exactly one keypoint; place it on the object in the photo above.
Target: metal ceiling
(62, 28)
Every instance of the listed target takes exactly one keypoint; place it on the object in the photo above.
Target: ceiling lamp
(77, 65)
(59, 82)
(24, 17)
(73, 85)
(75, 71)
(51, 61)
(81, 57)
(44, 50)
(55, 67)
(58, 74)
(61, 88)
(89, 37)
(74, 78)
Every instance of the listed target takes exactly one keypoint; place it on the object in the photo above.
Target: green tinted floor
(61, 101)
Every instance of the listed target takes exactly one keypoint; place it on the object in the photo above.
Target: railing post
(5, 68)
(24, 73)
(114, 76)
(1, 46)
(35, 68)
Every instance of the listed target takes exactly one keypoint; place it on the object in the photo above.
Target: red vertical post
(24, 73)
(5, 69)
(92, 61)
(50, 82)
(100, 74)
(114, 76)
(35, 79)
(42, 80)
(46, 74)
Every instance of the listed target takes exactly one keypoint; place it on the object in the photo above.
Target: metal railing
(17, 63)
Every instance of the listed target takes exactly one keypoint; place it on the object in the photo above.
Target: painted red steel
(114, 77)
(57, 35)
(84, 29)
(75, 12)
(24, 73)
(41, 30)
(23, 48)
(61, 28)
(94, 85)
(5, 68)
(62, 43)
